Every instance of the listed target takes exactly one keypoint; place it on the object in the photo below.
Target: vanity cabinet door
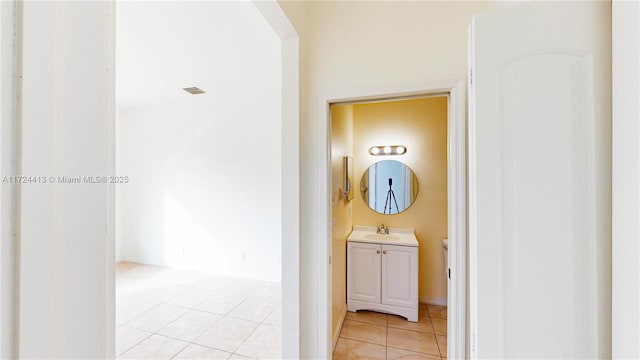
(363, 272)
(399, 275)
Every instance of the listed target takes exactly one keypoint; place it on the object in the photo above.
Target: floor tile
(155, 347)
(190, 326)
(357, 350)
(268, 291)
(127, 337)
(412, 340)
(423, 310)
(264, 343)
(423, 324)
(167, 292)
(220, 304)
(156, 318)
(368, 317)
(238, 357)
(360, 331)
(439, 326)
(166, 301)
(214, 282)
(192, 298)
(227, 334)
(399, 354)
(275, 318)
(155, 289)
(132, 306)
(442, 344)
(194, 351)
(436, 311)
(253, 310)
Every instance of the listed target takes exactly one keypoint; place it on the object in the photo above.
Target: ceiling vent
(193, 90)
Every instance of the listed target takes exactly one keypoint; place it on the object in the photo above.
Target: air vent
(193, 90)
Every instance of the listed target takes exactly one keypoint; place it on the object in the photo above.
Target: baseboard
(337, 334)
(433, 301)
(142, 261)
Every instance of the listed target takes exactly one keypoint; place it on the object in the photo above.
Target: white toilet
(445, 245)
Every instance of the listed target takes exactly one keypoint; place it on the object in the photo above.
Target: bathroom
(409, 133)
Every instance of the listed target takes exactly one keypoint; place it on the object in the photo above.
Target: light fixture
(387, 150)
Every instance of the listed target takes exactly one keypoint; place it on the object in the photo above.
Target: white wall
(626, 180)
(7, 116)
(352, 45)
(205, 169)
(65, 261)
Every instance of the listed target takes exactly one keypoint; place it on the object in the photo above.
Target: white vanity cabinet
(383, 277)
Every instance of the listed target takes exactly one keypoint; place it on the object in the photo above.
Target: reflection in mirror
(389, 187)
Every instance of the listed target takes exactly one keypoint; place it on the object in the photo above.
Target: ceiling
(162, 47)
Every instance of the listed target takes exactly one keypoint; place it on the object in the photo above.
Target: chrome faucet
(382, 230)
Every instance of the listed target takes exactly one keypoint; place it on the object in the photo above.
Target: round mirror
(389, 187)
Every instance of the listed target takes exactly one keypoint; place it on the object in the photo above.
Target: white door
(399, 275)
(363, 272)
(540, 209)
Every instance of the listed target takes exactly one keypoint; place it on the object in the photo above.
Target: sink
(382, 237)
(398, 236)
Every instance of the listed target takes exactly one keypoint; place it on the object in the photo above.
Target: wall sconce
(387, 150)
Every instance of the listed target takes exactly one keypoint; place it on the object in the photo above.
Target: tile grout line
(200, 303)
(245, 340)
(222, 316)
(434, 333)
(136, 344)
(137, 316)
(187, 342)
(179, 351)
(144, 312)
(194, 343)
(388, 327)
(172, 321)
(178, 294)
(186, 287)
(386, 342)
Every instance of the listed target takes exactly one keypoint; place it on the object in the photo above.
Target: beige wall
(341, 145)
(355, 44)
(421, 126)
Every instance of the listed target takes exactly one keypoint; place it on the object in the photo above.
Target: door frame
(455, 88)
(625, 203)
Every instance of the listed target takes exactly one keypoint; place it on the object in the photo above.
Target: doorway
(396, 174)
(198, 215)
(456, 198)
(209, 263)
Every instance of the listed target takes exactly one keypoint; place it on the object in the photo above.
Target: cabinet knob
(377, 251)
(384, 251)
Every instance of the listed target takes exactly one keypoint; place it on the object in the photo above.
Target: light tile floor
(164, 313)
(371, 335)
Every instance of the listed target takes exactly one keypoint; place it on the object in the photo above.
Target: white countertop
(397, 236)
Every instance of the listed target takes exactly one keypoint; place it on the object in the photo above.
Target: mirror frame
(364, 188)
